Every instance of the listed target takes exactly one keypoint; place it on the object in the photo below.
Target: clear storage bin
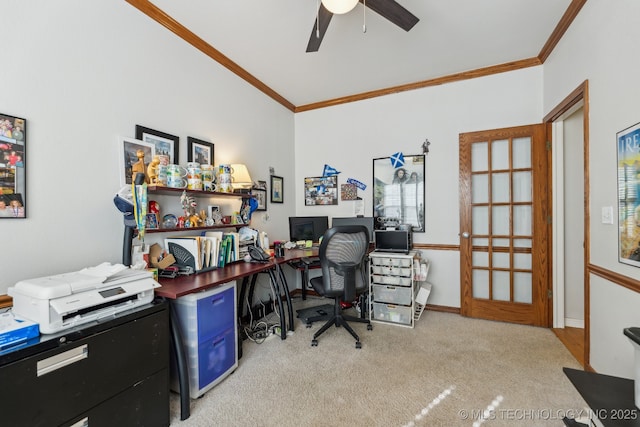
(392, 313)
(392, 294)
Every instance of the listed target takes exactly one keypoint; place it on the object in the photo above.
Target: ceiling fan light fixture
(339, 7)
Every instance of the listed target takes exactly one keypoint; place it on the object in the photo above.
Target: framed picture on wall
(165, 144)
(13, 189)
(199, 151)
(134, 157)
(321, 190)
(277, 189)
(628, 196)
(261, 196)
(398, 192)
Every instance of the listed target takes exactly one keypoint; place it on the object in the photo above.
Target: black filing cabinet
(109, 373)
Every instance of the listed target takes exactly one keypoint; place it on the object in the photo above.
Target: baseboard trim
(574, 323)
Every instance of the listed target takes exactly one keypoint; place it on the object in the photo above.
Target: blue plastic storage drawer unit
(208, 324)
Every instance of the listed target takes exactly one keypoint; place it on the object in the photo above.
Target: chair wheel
(369, 327)
(314, 343)
(358, 344)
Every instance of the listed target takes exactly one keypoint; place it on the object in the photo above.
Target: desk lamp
(240, 179)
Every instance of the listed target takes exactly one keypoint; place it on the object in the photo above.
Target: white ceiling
(268, 39)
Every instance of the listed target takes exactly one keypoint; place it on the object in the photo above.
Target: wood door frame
(580, 94)
(535, 313)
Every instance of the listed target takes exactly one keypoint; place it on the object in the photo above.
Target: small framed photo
(152, 220)
(261, 196)
(164, 143)
(213, 212)
(277, 186)
(199, 151)
(134, 157)
(260, 185)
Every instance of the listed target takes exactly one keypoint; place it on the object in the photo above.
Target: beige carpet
(444, 372)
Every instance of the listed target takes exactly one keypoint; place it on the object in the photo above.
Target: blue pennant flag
(329, 171)
(357, 183)
(397, 160)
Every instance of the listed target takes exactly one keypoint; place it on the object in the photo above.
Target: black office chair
(342, 254)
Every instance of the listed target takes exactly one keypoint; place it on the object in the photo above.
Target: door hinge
(549, 219)
(549, 293)
(548, 145)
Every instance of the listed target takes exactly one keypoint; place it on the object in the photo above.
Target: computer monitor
(307, 227)
(367, 221)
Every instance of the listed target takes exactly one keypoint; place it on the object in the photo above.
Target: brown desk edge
(184, 285)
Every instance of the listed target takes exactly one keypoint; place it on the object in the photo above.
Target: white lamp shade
(339, 6)
(240, 177)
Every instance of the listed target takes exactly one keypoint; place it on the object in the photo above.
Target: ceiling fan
(388, 9)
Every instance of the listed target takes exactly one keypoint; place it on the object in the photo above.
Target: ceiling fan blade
(324, 17)
(394, 12)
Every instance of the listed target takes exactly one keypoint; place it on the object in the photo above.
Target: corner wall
(599, 47)
(84, 74)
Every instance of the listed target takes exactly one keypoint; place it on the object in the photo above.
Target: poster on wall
(13, 137)
(398, 191)
(628, 141)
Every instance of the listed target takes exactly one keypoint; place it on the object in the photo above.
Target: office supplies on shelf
(66, 300)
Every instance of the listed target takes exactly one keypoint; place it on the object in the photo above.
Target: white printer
(66, 300)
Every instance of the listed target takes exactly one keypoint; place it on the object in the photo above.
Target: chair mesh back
(345, 247)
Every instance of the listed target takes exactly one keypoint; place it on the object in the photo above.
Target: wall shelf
(196, 193)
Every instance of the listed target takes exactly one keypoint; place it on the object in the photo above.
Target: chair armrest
(308, 261)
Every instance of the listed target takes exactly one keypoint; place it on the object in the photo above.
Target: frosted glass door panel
(500, 220)
(500, 260)
(480, 188)
(480, 259)
(500, 243)
(481, 284)
(522, 186)
(522, 291)
(501, 286)
(480, 157)
(500, 154)
(522, 243)
(480, 220)
(521, 153)
(522, 261)
(500, 188)
(522, 220)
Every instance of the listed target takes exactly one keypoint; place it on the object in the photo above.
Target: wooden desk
(184, 285)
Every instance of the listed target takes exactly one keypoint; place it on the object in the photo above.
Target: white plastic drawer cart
(393, 288)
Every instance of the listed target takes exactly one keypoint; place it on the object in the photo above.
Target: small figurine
(152, 170)
(139, 167)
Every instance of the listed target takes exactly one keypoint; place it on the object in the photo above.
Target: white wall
(348, 137)
(573, 194)
(85, 73)
(599, 47)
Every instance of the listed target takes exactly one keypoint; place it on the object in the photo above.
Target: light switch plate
(607, 214)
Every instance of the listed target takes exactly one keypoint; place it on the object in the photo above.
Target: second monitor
(307, 227)
(367, 221)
